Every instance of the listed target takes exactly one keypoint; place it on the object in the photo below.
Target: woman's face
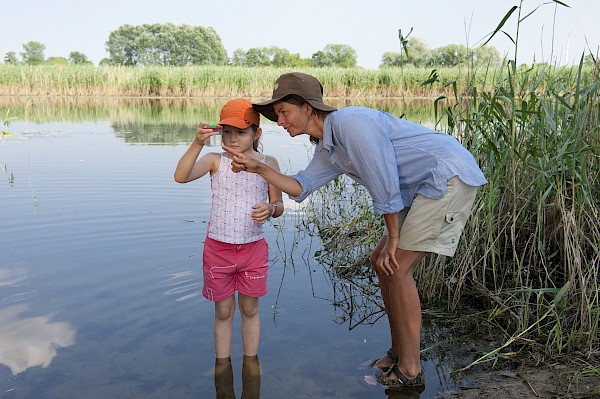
(291, 117)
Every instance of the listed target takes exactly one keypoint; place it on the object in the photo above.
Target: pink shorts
(234, 267)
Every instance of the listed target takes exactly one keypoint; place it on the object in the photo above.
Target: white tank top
(233, 195)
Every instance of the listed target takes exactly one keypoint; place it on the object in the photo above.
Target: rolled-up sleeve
(318, 173)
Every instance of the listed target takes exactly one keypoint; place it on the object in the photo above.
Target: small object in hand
(217, 129)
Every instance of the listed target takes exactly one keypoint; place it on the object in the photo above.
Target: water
(100, 274)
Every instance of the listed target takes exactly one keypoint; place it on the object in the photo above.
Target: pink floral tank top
(233, 195)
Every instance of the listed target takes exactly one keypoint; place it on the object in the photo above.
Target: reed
(211, 81)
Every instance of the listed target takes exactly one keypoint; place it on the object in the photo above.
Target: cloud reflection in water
(30, 341)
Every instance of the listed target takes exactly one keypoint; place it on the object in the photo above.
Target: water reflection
(251, 372)
(404, 393)
(184, 285)
(168, 121)
(30, 341)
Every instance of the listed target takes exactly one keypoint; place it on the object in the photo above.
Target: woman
(423, 182)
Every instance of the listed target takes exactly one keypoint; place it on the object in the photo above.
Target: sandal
(393, 357)
(401, 380)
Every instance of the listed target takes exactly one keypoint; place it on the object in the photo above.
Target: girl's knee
(248, 306)
(225, 310)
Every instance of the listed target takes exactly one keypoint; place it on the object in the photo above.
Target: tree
(33, 53)
(165, 44)
(320, 59)
(56, 61)
(451, 55)
(391, 59)
(485, 55)
(588, 59)
(268, 56)
(258, 56)
(417, 54)
(341, 55)
(75, 57)
(11, 58)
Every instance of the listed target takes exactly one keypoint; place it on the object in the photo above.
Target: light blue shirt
(394, 159)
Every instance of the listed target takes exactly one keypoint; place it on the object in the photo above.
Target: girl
(235, 256)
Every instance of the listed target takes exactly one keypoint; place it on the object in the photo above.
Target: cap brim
(266, 107)
(235, 122)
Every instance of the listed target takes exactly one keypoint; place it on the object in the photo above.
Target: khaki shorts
(431, 225)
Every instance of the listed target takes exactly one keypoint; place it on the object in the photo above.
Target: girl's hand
(262, 212)
(203, 134)
(242, 162)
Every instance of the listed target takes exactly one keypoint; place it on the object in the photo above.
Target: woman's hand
(386, 262)
(242, 162)
(262, 212)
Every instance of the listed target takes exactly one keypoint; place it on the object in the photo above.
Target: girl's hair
(297, 100)
(256, 144)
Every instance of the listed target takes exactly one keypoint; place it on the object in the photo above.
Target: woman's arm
(283, 182)
(274, 208)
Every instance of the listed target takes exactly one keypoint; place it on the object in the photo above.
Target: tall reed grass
(210, 81)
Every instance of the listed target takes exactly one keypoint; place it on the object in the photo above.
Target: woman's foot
(394, 378)
(384, 363)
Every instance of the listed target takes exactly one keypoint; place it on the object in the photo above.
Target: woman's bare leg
(405, 307)
(385, 361)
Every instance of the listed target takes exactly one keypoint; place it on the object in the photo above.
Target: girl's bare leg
(224, 311)
(250, 324)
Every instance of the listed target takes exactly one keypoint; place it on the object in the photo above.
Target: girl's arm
(263, 212)
(187, 168)
(283, 182)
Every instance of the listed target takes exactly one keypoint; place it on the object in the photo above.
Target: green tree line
(181, 45)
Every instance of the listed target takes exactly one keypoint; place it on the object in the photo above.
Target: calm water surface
(100, 274)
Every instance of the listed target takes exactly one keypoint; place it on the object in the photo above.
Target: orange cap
(239, 113)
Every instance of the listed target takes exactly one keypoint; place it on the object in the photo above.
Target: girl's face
(293, 118)
(239, 139)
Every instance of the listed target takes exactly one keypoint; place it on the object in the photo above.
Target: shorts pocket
(452, 217)
(452, 228)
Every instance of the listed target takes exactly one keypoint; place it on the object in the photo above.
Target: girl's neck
(252, 153)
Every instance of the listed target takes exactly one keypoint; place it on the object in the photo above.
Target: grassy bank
(206, 81)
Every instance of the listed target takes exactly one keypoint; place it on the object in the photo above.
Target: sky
(551, 34)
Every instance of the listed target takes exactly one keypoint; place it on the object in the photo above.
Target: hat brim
(235, 122)
(266, 107)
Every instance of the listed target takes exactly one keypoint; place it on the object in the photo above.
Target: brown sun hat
(306, 86)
